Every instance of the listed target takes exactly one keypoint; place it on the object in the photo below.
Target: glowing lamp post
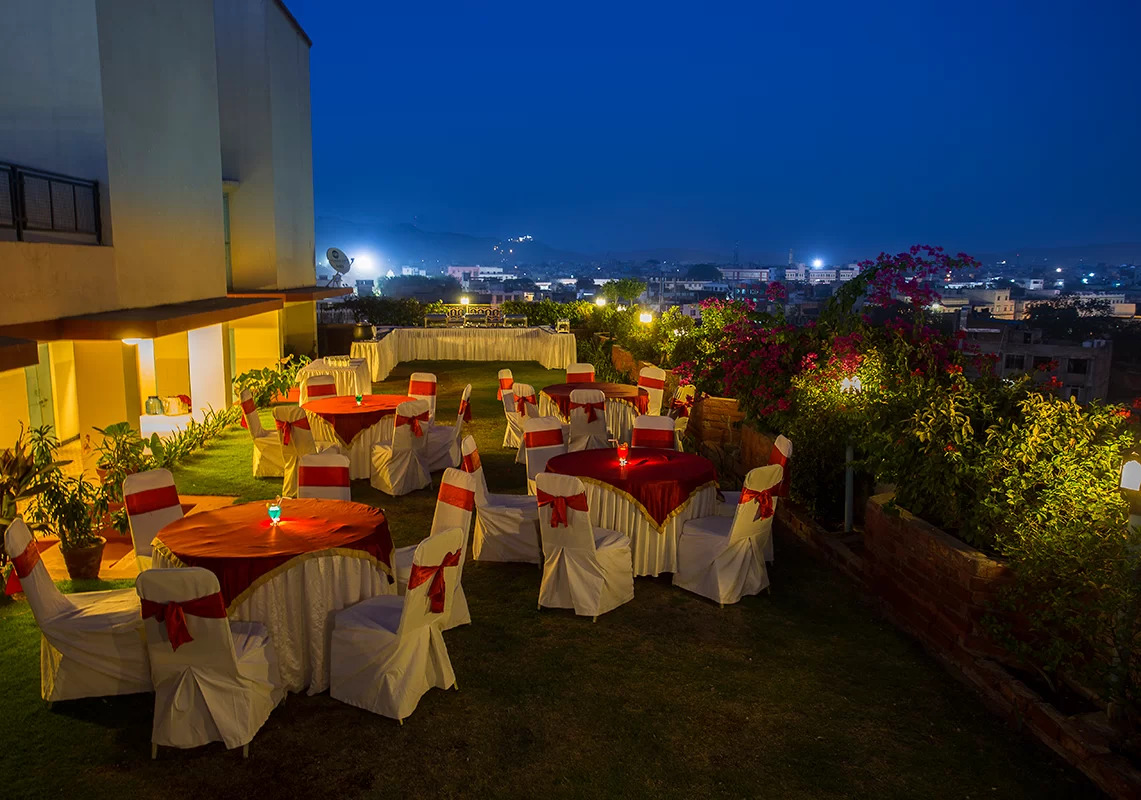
(600, 301)
(1131, 485)
(645, 318)
(465, 300)
(852, 385)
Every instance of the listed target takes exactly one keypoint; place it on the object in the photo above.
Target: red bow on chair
(248, 407)
(437, 590)
(522, 401)
(286, 427)
(413, 421)
(504, 385)
(465, 410)
(682, 407)
(23, 565)
(764, 499)
(592, 409)
(174, 615)
(559, 505)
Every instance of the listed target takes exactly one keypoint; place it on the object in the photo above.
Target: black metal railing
(38, 202)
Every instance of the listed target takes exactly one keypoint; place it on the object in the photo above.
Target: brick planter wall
(716, 420)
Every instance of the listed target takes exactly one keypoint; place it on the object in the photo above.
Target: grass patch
(804, 693)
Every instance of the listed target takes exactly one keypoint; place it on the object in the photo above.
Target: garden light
(600, 301)
(849, 385)
(465, 300)
(1130, 484)
(852, 385)
(645, 318)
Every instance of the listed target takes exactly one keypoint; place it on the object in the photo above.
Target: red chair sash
(682, 407)
(580, 377)
(522, 401)
(27, 560)
(248, 407)
(286, 427)
(465, 410)
(437, 591)
(415, 421)
(647, 382)
(323, 476)
(457, 496)
(592, 409)
(322, 390)
(504, 385)
(150, 500)
(763, 499)
(559, 505)
(547, 438)
(777, 457)
(173, 614)
(471, 461)
(422, 388)
(653, 437)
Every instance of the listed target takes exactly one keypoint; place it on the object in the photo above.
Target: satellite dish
(340, 264)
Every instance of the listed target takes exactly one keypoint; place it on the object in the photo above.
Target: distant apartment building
(466, 274)
(365, 287)
(996, 303)
(406, 272)
(1083, 369)
(804, 274)
(160, 238)
(747, 274)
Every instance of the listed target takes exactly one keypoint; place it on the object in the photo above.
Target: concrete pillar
(209, 369)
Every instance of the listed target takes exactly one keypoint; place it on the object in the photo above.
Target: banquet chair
(543, 439)
(653, 381)
(443, 448)
(214, 679)
(513, 435)
(506, 381)
(506, 525)
(152, 502)
(653, 432)
(90, 644)
(324, 476)
(397, 468)
(454, 506)
(316, 386)
(296, 441)
(585, 568)
(723, 558)
(681, 406)
(388, 651)
(780, 454)
(422, 386)
(588, 420)
(269, 461)
(526, 407)
(580, 373)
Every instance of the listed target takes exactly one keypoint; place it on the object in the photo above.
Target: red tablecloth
(560, 394)
(661, 480)
(347, 418)
(239, 545)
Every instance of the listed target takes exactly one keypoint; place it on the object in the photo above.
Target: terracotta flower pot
(83, 562)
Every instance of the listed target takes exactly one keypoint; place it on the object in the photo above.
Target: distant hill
(1120, 253)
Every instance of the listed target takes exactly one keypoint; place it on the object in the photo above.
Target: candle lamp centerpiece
(273, 509)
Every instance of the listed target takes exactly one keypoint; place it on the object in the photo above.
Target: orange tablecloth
(240, 546)
(347, 418)
(560, 394)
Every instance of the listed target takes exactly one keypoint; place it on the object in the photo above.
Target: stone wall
(716, 420)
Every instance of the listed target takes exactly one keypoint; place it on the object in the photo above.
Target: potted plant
(74, 509)
(121, 453)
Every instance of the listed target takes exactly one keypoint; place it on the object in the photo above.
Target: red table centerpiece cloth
(348, 419)
(560, 395)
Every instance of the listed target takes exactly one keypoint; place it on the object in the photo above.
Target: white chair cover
(513, 436)
(454, 506)
(580, 373)
(653, 380)
(90, 644)
(654, 432)
(543, 439)
(585, 568)
(585, 433)
(315, 386)
(723, 558)
(525, 409)
(506, 381)
(781, 454)
(269, 461)
(680, 409)
(396, 466)
(324, 475)
(296, 440)
(387, 652)
(222, 683)
(422, 386)
(444, 441)
(506, 525)
(152, 502)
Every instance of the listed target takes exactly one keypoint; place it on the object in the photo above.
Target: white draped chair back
(543, 440)
(324, 476)
(653, 380)
(442, 555)
(151, 500)
(574, 530)
(398, 467)
(455, 502)
(268, 460)
(251, 416)
(513, 435)
(526, 402)
(45, 599)
(410, 429)
(506, 381)
(782, 454)
(587, 433)
(757, 506)
(206, 688)
(296, 440)
(422, 386)
(470, 463)
(444, 441)
(316, 386)
(681, 408)
(580, 373)
(654, 432)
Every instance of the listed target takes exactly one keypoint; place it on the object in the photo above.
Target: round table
(649, 499)
(356, 429)
(324, 555)
(623, 403)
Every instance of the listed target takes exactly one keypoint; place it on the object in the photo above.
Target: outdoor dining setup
(237, 606)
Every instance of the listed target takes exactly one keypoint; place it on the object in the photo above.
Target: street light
(465, 300)
(645, 318)
(600, 301)
(849, 385)
(1131, 485)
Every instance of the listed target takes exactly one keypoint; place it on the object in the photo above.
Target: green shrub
(548, 312)
(371, 310)
(267, 383)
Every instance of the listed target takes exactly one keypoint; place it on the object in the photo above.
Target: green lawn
(804, 693)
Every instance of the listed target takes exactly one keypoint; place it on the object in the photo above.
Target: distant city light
(817, 263)
(1091, 274)
(1059, 269)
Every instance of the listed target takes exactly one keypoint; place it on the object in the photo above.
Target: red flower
(949, 448)
(1053, 383)
(954, 369)
(1049, 366)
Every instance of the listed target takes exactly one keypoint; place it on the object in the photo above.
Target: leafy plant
(548, 312)
(387, 310)
(72, 508)
(267, 383)
(24, 469)
(591, 352)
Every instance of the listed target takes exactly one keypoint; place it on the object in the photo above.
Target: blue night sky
(836, 128)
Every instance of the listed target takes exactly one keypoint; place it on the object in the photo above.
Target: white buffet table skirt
(619, 416)
(654, 549)
(552, 350)
(297, 605)
(351, 380)
(359, 450)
